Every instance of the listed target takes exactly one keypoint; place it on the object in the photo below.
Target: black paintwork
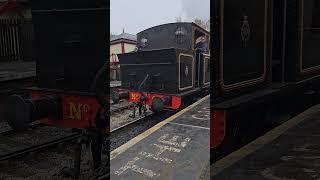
(155, 66)
(242, 47)
(284, 61)
(309, 11)
(243, 62)
(178, 35)
(70, 41)
(186, 67)
(205, 72)
(162, 67)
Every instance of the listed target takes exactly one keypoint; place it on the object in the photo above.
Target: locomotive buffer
(177, 148)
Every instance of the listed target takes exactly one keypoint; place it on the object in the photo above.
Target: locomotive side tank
(266, 68)
(301, 50)
(242, 47)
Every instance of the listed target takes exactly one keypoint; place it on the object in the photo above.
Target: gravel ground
(15, 141)
(4, 126)
(122, 103)
(48, 165)
(44, 164)
(118, 119)
(122, 118)
(1, 110)
(38, 135)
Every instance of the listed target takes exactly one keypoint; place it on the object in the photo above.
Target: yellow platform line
(146, 133)
(229, 160)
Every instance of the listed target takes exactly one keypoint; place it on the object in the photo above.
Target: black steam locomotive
(266, 65)
(168, 67)
(72, 83)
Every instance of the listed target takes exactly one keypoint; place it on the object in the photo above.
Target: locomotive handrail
(143, 82)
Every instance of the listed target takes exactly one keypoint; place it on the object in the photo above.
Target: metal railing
(16, 40)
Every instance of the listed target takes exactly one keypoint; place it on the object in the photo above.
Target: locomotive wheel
(157, 104)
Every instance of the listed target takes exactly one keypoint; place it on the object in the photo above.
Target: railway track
(119, 107)
(9, 87)
(131, 123)
(8, 139)
(37, 137)
(122, 134)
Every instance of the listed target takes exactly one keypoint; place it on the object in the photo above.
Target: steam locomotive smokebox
(302, 59)
(243, 45)
(71, 43)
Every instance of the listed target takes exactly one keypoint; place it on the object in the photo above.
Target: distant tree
(208, 24)
(203, 23)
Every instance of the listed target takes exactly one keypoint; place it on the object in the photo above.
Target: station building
(119, 44)
(16, 31)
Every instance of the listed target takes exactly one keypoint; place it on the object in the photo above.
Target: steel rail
(41, 146)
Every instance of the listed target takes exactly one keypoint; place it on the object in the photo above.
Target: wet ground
(177, 148)
(289, 151)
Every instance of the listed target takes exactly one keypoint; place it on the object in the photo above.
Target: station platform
(17, 70)
(176, 148)
(288, 152)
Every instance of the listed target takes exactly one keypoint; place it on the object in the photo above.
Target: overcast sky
(137, 15)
